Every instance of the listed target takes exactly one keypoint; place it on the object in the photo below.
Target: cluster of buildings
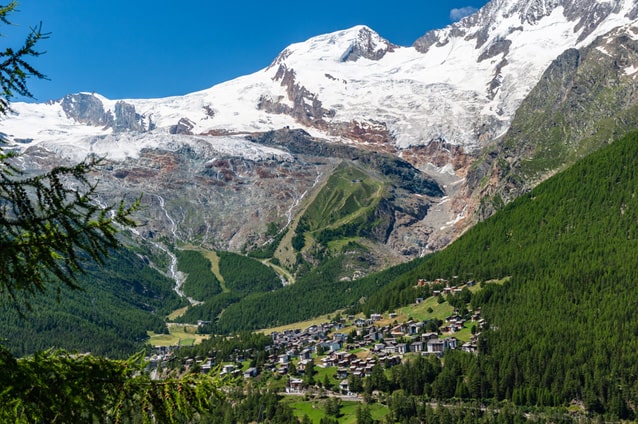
(367, 344)
(353, 345)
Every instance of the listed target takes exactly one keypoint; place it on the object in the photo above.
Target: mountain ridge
(435, 105)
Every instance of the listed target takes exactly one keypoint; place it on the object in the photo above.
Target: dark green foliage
(246, 275)
(110, 315)
(243, 276)
(225, 348)
(55, 386)
(318, 292)
(564, 326)
(210, 309)
(200, 283)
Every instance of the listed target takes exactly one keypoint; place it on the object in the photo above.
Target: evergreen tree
(50, 224)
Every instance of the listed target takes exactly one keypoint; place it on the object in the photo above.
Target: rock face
(88, 109)
(586, 99)
(368, 45)
(213, 192)
(440, 107)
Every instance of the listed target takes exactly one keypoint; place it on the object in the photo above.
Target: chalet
(392, 361)
(401, 348)
(250, 372)
(206, 366)
(331, 346)
(397, 331)
(469, 347)
(342, 373)
(294, 386)
(360, 322)
(435, 346)
(302, 365)
(358, 372)
(452, 342)
(227, 369)
(393, 315)
(428, 336)
(390, 348)
(368, 370)
(416, 347)
(376, 317)
(415, 328)
(373, 335)
(340, 337)
(328, 361)
(283, 359)
(344, 388)
(305, 354)
(345, 356)
(419, 300)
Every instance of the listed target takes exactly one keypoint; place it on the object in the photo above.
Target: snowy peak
(368, 44)
(459, 85)
(341, 46)
(500, 18)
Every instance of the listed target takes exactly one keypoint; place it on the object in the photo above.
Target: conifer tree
(49, 223)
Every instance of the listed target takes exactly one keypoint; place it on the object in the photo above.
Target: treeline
(109, 316)
(563, 328)
(318, 292)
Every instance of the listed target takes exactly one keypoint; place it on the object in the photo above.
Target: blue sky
(158, 48)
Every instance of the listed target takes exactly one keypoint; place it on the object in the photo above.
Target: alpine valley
(347, 155)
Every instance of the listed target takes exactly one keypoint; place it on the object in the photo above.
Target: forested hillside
(564, 327)
(109, 315)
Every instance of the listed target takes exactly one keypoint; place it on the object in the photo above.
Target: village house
(294, 386)
(397, 331)
(305, 354)
(283, 359)
(376, 317)
(415, 328)
(227, 369)
(469, 347)
(435, 346)
(428, 336)
(342, 373)
(344, 387)
(250, 372)
(328, 361)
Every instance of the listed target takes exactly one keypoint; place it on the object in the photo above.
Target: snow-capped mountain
(434, 104)
(460, 85)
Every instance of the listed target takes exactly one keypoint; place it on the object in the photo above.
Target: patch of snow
(442, 94)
